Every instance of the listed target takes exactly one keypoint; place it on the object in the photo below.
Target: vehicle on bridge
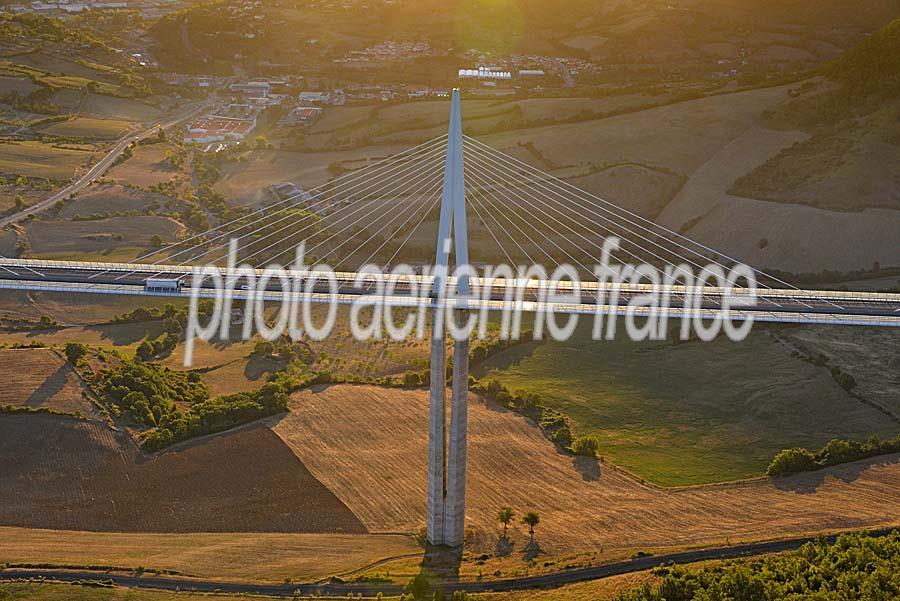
(162, 285)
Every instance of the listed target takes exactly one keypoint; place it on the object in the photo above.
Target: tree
(75, 351)
(531, 519)
(505, 516)
(791, 461)
(586, 446)
(156, 241)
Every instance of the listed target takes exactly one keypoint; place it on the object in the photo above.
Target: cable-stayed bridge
(454, 195)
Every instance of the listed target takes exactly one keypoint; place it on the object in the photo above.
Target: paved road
(367, 589)
(100, 168)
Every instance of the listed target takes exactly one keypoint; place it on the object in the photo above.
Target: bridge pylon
(447, 454)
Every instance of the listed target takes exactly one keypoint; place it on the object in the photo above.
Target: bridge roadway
(775, 305)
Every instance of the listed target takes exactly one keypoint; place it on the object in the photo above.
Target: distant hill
(851, 161)
(873, 65)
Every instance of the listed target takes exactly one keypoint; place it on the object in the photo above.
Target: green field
(689, 413)
(36, 159)
(86, 127)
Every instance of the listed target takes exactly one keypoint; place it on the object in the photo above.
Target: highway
(554, 579)
(100, 167)
(774, 305)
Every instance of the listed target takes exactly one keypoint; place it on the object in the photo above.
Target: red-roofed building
(216, 128)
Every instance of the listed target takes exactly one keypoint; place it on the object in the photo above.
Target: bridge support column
(455, 503)
(437, 441)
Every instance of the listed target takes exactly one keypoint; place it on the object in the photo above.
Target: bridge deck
(773, 305)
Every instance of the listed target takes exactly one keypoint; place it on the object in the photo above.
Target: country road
(371, 589)
(100, 168)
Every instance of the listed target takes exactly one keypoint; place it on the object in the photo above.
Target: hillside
(873, 66)
(243, 481)
(357, 440)
(850, 161)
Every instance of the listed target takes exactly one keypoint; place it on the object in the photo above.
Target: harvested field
(123, 337)
(42, 380)
(111, 198)
(791, 237)
(67, 309)
(257, 556)
(711, 142)
(22, 85)
(245, 182)
(36, 159)
(146, 167)
(111, 107)
(59, 239)
(245, 480)
(356, 440)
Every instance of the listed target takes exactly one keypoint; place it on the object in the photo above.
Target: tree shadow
(123, 335)
(507, 358)
(504, 546)
(257, 367)
(49, 388)
(588, 467)
(531, 550)
(810, 482)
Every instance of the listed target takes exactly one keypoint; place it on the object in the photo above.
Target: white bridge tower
(447, 454)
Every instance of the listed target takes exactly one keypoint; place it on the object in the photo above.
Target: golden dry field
(146, 167)
(356, 440)
(41, 379)
(257, 556)
(113, 239)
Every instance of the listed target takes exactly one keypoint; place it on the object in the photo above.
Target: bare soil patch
(85, 476)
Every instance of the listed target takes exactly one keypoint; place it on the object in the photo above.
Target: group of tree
(836, 451)
(149, 393)
(856, 566)
(531, 519)
(152, 396)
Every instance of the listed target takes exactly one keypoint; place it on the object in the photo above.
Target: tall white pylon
(447, 462)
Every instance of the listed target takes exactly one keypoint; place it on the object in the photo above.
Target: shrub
(587, 446)
(75, 351)
(791, 461)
